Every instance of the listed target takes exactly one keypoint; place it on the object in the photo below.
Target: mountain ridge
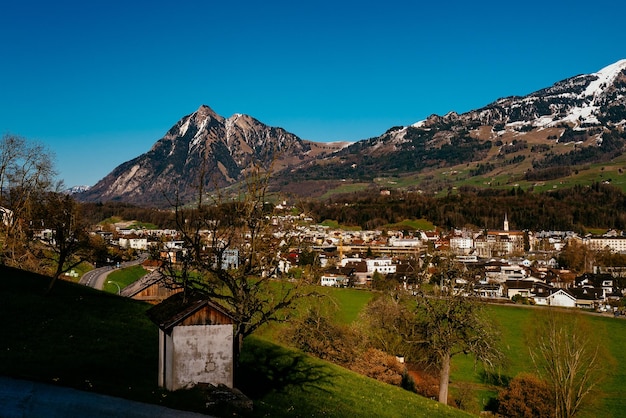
(519, 134)
(202, 147)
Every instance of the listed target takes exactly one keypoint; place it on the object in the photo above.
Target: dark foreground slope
(98, 342)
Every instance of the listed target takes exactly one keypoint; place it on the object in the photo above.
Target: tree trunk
(237, 347)
(54, 278)
(444, 378)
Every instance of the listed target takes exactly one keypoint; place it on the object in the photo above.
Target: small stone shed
(195, 342)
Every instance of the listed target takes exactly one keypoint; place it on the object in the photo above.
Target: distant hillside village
(500, 265)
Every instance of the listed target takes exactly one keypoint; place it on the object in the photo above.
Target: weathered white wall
(198, 354)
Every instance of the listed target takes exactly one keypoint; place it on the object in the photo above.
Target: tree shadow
(494, 378)
(266, 368)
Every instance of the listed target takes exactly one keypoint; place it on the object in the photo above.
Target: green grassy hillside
(514, 322)
(99, 342)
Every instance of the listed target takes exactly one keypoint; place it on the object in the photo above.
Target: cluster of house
(500, 261)
(507, 264)
(509, 279)
(549, 286)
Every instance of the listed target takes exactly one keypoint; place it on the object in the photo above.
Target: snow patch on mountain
(605, 77)
(198, 137)
(183, 129)
(77, 189)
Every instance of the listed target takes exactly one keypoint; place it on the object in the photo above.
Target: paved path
(96, 277)
(24, 399)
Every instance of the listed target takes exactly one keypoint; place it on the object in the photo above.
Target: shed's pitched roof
(173, 311)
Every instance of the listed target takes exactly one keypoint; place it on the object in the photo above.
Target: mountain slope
(575, 122)
(545, 135)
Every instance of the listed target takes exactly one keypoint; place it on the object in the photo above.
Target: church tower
(506, 223)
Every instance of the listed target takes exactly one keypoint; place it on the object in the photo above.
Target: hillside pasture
(98, 342)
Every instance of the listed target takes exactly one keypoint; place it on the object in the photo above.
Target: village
(502, 266)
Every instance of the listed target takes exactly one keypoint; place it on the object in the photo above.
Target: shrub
(379, 365)
(317, 335)
(426, 384)
(527, 396)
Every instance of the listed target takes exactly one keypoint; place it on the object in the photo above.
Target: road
(21, 399)
(97, 277)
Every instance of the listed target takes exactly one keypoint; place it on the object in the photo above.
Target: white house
(134, 243)
(500, 271)
(381, 265)
(347, 260)
(489, 290)
(333, 280)
(524, 288)
(614, 243)
(405, 242)
(560, 298)
(461, 245)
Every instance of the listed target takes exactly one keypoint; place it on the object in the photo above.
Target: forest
(578, 209)
(575, 209)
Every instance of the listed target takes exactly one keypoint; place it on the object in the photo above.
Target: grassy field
(142, 225)
(123, 277)
(96, 341)
(514, 323)
(335, 225)
(416, 224)
(346, 188)
(288, 383)
(76, 336)
(349, 302)
(504, 177)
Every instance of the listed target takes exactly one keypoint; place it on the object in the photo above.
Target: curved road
(96, 277)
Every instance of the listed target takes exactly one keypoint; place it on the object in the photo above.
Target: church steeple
(506, 223)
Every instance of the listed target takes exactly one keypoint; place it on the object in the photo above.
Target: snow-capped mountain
(580, 102)
(203, 147)
(551, 132)
(511, 135)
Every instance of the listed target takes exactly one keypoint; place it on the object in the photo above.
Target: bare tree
(232, 252)
(568, 353)
(577, 256)
(432, 329)
(316, 333)
(66, 243)
(26, 171)
(387, 320)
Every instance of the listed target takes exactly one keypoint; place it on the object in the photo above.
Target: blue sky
(100, 82)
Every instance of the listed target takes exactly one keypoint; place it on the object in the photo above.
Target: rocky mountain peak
(223, 150)
(205, 111)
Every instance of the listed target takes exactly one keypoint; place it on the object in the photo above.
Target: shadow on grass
(494, 378)
(266, 368)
